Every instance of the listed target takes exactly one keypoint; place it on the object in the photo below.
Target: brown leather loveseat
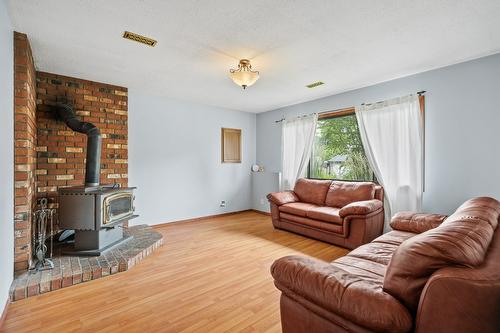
(347, 214)
(432, 274)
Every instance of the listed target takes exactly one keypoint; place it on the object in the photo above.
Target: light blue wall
(175, 159)
(462, 128)
(7, 155)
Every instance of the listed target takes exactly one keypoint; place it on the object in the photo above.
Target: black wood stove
(95, 212)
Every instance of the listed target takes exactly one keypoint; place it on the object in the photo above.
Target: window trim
(337, 114)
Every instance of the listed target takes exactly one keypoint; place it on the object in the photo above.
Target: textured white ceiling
(345, 43)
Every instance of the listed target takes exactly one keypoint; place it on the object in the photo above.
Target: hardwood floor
(209, 276)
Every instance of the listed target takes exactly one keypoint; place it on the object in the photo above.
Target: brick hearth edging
(71, 270)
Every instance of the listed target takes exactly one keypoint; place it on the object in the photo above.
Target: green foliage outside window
(338, 152)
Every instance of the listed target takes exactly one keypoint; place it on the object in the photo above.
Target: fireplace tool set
(43, 222)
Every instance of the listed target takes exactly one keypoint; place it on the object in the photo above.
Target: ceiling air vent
(139, 38)
(314, 84)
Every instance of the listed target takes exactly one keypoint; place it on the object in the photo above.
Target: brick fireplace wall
(24, 148)
(48, 154)
(61, 151)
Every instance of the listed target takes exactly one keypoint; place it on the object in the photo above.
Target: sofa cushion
(297, 208)
(312, 190)
(324, 213)
(355, 293)
(462, 239)
(305, 221)
(343, 193)
(370, 270)
(380, 253)
(394, 237)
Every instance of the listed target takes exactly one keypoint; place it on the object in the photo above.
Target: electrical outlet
(262, 201)
(223, 203)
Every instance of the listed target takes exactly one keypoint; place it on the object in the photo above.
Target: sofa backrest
(343, 193)
(463, 239)
(312, 190)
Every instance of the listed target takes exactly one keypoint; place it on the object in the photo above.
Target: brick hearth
(71, 270)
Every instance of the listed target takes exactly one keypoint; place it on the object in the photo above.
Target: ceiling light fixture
(244, 76)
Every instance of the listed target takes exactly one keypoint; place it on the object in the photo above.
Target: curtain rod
(420, 93)
(304, 115)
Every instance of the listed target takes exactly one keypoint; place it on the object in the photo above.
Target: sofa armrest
(281, 198)
(361, 207)
(443, 298)
(353, 297)
(416, 222)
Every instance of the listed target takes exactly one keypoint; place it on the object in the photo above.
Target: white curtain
(392, 136)
(297, 139)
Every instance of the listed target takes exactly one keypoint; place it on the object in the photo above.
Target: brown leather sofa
(431, 274)
(347, 214)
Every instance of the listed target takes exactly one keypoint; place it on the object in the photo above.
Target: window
(337, 150)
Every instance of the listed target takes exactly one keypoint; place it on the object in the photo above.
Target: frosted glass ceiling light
(244, 76)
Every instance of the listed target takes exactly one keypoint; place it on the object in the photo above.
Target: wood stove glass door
(118, 206)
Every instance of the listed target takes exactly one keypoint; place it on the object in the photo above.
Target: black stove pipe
(94, 142)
